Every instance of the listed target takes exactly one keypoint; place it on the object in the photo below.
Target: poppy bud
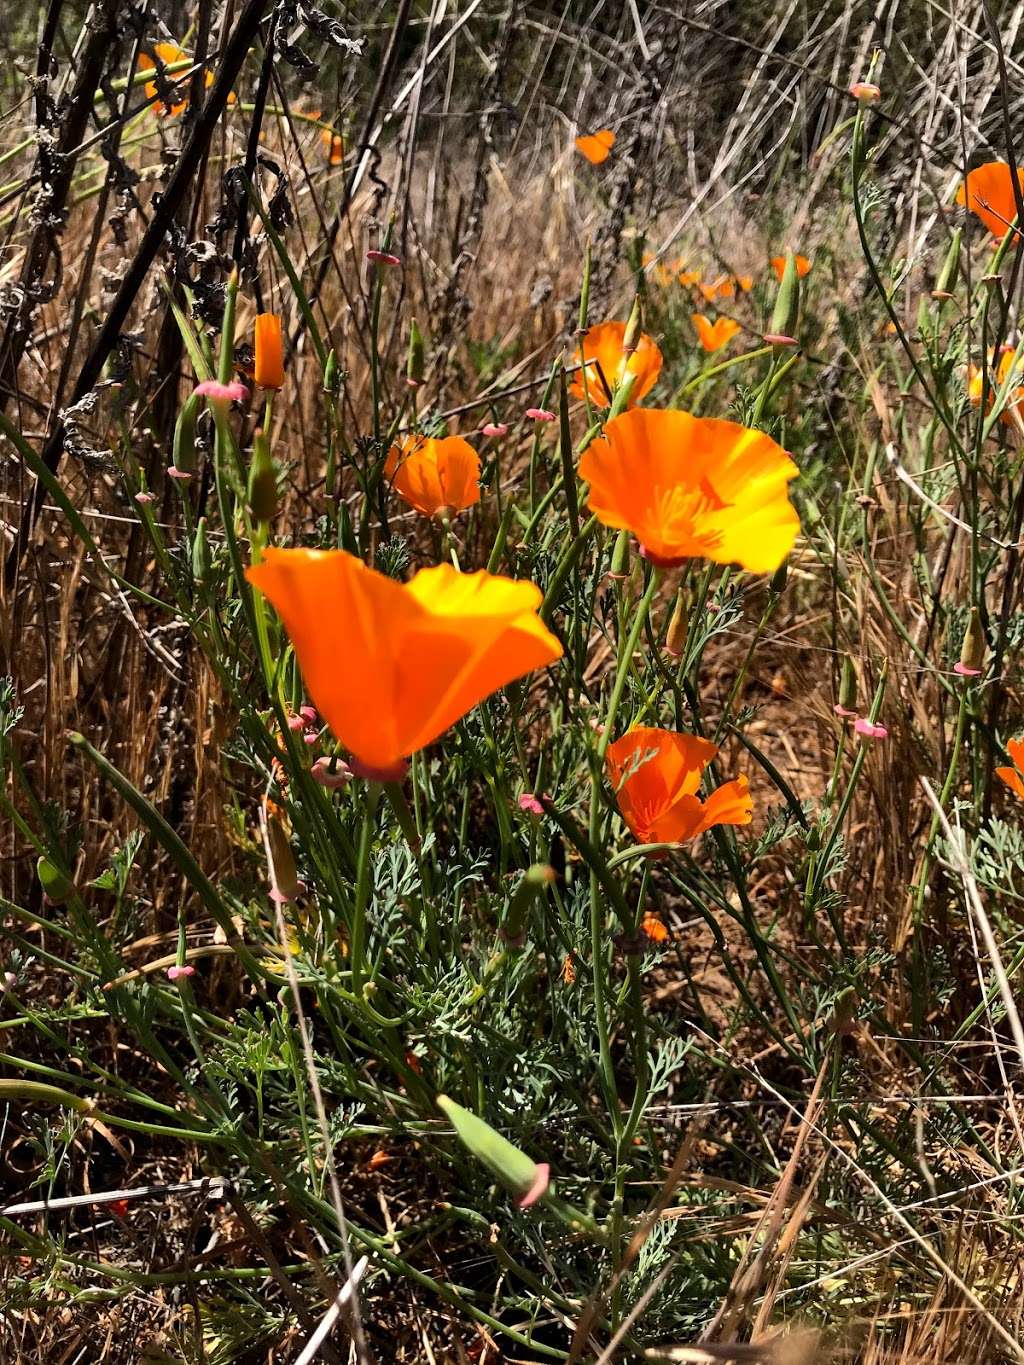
(284, 875)
(414, 365)
(950, 271)
(972, 652)
(632, 333)
(183, 449)
(777, 584)
(331, 374)
(678, 628)
(620, 556)
(844, 1011)
(507, 1163)
(56, 887)
(262, 479)
(787, 301)
(201, 562)
(533, 881)
(848, 685)
(813, 839)
(268, 369)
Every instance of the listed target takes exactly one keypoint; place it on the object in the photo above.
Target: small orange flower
(714, 335)
(268, 347)
(690, 487)
(334, 146)
(803, 265)
(654, 927)
(1012, 776)
(744, 282)
(168, 54)
(656, 776)
(987, 192)
(437, 477)
(390, 666)
(596, 146)
(997, 378)
(688, 277)
(568, 970)
(722, 288)
(607, 364)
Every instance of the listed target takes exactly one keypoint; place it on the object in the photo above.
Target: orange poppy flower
(437, 477)
(656, 776)
(722, 288)
(596, 146)
(1012, 776)
(268, 348)
(997, 378)
(602, 347)
(334, 146)
(987, 192)
(714, 335)
(803, 265)
(654, 927)
(691, 487)
(168, 54)
(688, 277)
(390, 666)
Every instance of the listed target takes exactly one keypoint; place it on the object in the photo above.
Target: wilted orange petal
(268, 370)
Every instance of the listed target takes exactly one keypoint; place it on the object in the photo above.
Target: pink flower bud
(173, 472)
(296, 723)
(331, 777)
(540, 414)
(308, 714)
(865, 93)
(966, 672)
(778, 339)
(529, 804)
(383, 258)
(842, 711)
(225, 393)
(494, 429)
(174, 973)
(869, 730)
(144, 497)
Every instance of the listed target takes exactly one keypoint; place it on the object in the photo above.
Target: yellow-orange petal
(268, 346)
(729, 804)
(435, 476)
(596, 146)
(988, 193)
(601, 351)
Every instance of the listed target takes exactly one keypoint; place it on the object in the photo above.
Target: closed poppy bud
(183, 449)
(262, 480)
(414, 366)
(518, 1172)
(631, 336)
(201, 563)
(284, 875)
(620, 556)
(787, 301)
(331, 374)
(56, 887)
(678, 628)
(268, 370)
(777, 583)
(972, 652)
(844, 1011)
(950, 271)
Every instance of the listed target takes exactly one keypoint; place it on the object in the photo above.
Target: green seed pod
(415, 365)
(777, 584)
(262, 479)
(950, 272)
(512, 1167)
(183, 450)
(678, 627)
(620, 556)
(973, 649)
(787, 302)
(201, 561)
(56, 887)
